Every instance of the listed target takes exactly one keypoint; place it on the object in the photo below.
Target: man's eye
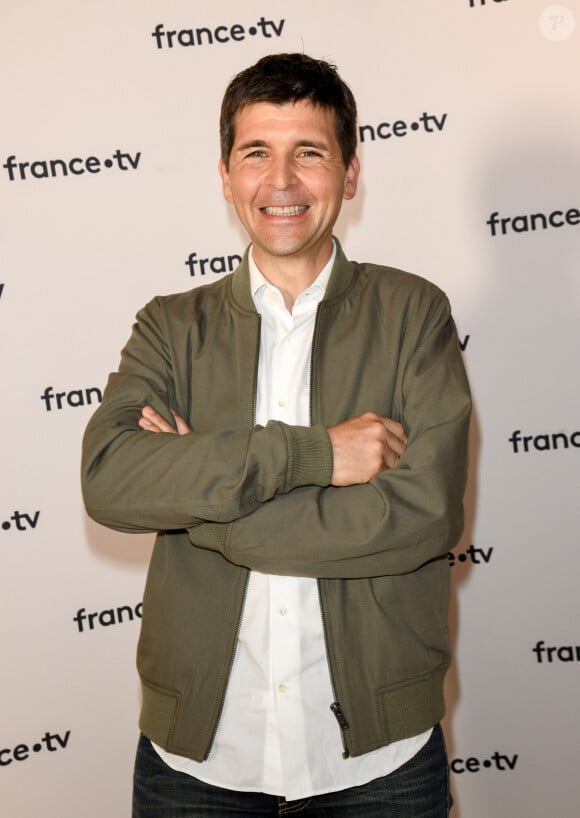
(257, 154)
(308, 157)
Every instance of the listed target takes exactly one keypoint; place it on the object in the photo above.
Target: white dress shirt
(277, 733)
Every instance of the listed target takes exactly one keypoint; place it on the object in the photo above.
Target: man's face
(286, 179)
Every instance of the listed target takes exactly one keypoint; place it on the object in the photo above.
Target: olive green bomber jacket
(233, 496)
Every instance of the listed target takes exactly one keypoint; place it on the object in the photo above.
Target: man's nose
(281, 172)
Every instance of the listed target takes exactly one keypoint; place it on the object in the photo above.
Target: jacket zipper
(230, 663)
(247, 579)
(256, 365)
(335, 706)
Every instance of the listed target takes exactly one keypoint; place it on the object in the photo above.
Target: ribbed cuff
(310, 461)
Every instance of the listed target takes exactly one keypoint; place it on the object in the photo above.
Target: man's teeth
(290, 210)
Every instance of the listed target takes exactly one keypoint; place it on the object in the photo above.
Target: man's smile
(288, 210)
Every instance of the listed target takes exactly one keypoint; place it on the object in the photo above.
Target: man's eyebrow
(312, 143)
(300, 143)
(252, 143)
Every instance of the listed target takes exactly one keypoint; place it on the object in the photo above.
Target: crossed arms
(362, 446)
(358, 499)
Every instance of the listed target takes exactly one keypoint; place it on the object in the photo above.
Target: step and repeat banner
(109, 194)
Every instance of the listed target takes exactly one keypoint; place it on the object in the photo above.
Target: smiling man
(297, 434)
(287, 178)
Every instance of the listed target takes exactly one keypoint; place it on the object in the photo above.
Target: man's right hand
(363, 446)
(152, 421)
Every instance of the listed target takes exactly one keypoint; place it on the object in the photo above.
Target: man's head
(287, 78)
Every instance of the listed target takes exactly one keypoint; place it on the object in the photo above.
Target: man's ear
(225, 177)
(351, 178)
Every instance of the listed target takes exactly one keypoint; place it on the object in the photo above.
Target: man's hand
(152, 421)
(364, 446)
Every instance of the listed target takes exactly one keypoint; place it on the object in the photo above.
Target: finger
(182, 427)
(148, 425)
(397, 445)
(391, 459)
(154, 422)
(395, 429)
(150, 413)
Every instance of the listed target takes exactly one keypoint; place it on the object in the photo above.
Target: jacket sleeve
(140, 481)
(397, 522)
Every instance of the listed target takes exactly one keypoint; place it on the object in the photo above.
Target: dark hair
(282, 78)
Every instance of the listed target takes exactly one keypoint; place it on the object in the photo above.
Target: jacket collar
(343, 272)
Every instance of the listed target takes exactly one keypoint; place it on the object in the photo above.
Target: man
(297, 433)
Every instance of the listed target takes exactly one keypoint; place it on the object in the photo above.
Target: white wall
(493, 91)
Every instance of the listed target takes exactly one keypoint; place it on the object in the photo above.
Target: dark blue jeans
(418, 789)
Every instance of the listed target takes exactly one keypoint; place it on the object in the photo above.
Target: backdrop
(109, 194)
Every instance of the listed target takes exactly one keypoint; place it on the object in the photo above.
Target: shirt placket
(287, 382)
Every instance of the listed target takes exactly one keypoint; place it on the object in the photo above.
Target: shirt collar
(318, 286)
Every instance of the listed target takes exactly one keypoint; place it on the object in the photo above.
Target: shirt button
(282, 403)
(283, 611)
(282, 688)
